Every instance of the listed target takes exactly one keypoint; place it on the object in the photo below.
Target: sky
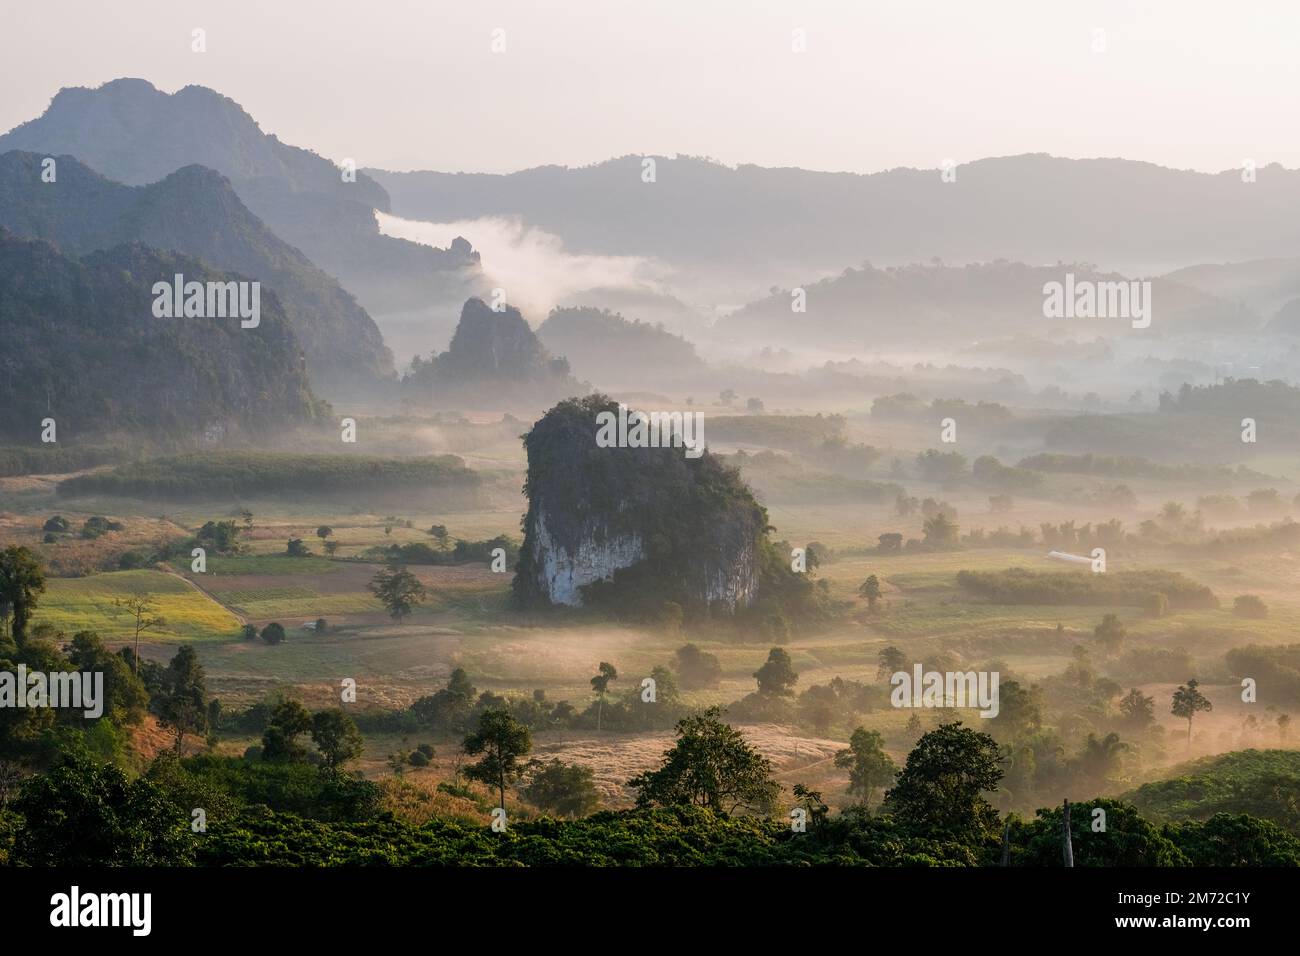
(405, 84)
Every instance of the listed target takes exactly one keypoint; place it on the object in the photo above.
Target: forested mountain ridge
(194, 211)
(136, 134)
(82, 346)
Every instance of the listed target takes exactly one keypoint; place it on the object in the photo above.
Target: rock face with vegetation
(82, 346)
(636, 527)
(492, 355)
(196, 212)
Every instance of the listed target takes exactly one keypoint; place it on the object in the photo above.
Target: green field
(86, 604)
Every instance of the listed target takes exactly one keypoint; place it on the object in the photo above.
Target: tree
(1110, 634)
(1020, 710)
(868, 765)
(324, 531)
(565, 789)
(502, 741)
(248, 632)
(87, 814)
(331, 548)
(448, 709)
(1249, 605)
(336, 737)
(296, 549)
(1139, 710)
(600, 684)
(398, 589)
(1099, 759)
(125, 697)
(273, 633)
(440, 536)
(870, 590)
(776, 677)
(811, 802)
(941, 786)
(289, 721)
(891, 661)
(1187, 702)
(182, 705)
(711, 765)
(21, 580)
(696, 668)
(140, 605)
(940, 532)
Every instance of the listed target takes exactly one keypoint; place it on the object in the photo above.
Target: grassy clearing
(86, 604)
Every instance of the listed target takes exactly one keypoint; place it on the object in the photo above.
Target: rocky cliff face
(633, 527)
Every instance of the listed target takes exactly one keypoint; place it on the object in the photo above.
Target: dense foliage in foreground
(694, 836)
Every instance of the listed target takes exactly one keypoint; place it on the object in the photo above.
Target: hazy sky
(414, 84)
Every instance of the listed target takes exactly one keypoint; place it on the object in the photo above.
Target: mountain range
(133, 133)
(195, 211)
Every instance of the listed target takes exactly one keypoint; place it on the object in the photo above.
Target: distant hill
(196, 212)
(133, 133)
(82, 346)
(494, 358)
(608, 349)
(788, 224)
(927, 304)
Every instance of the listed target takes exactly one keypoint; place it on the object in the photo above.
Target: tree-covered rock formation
(82, 346)
(635, 528)
(492, 356)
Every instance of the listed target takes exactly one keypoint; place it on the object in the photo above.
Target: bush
(1249, 605)
(273, 633)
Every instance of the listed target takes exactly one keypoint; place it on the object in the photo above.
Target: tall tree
(711, 765)
(941, 786)
(21, 580)
(144, 614)
(182, 705)
(777, 676)
(502, 742)
(1138, 709)
(891, 661)
(600, 684)
(868, 765)
(289, 721)
(870, 589)
(336, 737)
(398, 589)
(1187, 702)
